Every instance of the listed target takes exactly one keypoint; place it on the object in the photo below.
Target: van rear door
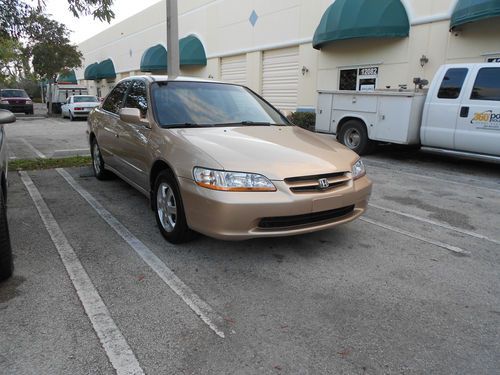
(478, 123)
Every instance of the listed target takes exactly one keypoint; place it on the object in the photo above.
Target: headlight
(358, 170)
(4, 102)
(231, 181)
(29, 102)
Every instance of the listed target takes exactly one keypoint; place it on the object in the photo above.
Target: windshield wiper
(254, 123)
(187, 125)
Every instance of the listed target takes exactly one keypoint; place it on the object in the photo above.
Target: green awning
(350, 19)
(69, 77)
(106, 70)
(154, 59)
(91, 72)
(191, 51)
(467, 11)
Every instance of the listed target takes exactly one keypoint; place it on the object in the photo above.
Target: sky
(85, 27)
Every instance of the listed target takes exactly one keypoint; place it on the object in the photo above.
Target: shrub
(306, 120)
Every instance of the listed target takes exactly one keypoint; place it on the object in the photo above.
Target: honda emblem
(323, 183)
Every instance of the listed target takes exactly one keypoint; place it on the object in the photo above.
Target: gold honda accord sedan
(217, 159)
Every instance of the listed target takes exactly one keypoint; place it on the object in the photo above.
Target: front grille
(311, 184)
(293, 221)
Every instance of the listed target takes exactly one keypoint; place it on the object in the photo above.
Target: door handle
(464, 112)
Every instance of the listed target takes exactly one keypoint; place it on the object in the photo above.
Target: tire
(71, 118)
(6, 261)
(97, 162)
(171, 221)
(354, 136)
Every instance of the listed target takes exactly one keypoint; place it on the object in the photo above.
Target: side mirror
(133, 116)
(6, 117)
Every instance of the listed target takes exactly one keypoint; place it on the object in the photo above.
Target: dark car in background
(6, 264)
(16, 100)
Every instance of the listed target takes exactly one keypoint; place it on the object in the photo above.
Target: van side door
(442, 109)
(478, 124)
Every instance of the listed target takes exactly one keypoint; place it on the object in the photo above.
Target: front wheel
(169, 210)
(6, 262)
(71, 117)
(354, 135)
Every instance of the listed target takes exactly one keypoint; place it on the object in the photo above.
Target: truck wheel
(354, 135)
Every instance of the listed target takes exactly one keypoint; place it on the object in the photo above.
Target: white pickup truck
(459, 114)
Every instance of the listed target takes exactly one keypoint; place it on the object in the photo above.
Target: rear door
(442, 109)
(108, 124)
(133, 151)
(478, 124)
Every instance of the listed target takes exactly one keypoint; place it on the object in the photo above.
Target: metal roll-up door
(234, 69)
(280, 78)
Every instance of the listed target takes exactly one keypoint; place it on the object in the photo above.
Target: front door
(478, 124)
(134, 154)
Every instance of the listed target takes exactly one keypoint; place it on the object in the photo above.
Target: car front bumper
(18, 108)
(244, 215)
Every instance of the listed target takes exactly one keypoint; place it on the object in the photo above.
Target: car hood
(277, 152)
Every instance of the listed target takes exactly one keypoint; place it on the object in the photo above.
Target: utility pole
(173, 63)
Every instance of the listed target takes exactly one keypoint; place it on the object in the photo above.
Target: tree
(32, 44)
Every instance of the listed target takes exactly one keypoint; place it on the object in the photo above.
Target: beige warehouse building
(287, 50)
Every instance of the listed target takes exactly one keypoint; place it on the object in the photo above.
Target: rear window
(204, 103)
(452, 83)
(87, 99)
(487, 85)
(13, 94)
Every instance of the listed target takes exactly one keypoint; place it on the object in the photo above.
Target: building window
(359, 79)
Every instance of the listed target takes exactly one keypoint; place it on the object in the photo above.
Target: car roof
(165, 78)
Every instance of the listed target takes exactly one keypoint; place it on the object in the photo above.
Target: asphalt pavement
(411, 288)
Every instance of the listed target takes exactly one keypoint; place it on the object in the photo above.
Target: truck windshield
(210, 104)
(13, 94)
(87, 99)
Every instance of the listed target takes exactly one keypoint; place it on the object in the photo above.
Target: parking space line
(440, 179)
(73, 150)
(33, 149)
(436, 223)
(200, 307)
(115, 345)
(443, 245)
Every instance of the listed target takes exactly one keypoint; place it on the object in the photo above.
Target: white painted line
(116, 347)
(33, 149)
(200, 307)
(12, 157)
(443, 245)
(440, 179)
(436, 223)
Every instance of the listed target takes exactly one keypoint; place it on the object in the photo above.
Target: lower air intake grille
(292, 221)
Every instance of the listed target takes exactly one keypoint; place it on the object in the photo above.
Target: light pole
(173, 64)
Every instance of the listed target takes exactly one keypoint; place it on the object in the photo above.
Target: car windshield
(210, 104)
(86, 99)
(13, 94)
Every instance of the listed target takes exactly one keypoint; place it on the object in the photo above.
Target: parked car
(79, 106)
(6, 263)
(216, 158)
(16, 100)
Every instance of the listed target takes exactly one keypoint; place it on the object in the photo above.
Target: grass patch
(49, 163)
